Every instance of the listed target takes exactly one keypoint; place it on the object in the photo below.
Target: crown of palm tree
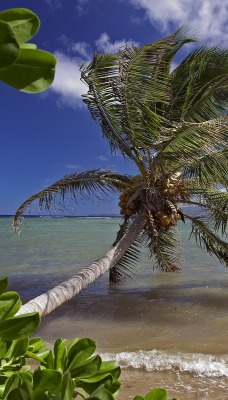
(173, 124)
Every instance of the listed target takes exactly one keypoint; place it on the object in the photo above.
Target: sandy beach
(180, 386)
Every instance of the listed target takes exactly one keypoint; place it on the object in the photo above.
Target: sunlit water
(166, 329)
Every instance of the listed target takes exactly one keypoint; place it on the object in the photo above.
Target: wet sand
(183, 321)
(181, 386)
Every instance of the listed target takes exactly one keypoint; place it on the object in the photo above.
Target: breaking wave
(155, 360)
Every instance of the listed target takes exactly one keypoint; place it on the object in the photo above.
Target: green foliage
(60, 371)
(75, 359)
(23, 22)
(69, 370)
(154, 394)
(22, 65)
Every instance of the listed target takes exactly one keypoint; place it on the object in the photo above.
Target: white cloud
(67, 84)
(104, 44)
(207, 17)
(83, 49)
(67, 81)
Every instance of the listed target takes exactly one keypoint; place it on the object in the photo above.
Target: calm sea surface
(166, 329)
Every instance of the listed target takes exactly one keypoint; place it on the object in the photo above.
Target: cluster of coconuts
(128, 208)
(165, 220)
(171, 185)
(129, 204)
(166, 185)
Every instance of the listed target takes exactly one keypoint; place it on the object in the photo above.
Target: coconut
(122, 204)
(129, 212)
(132, 206)
(165, 220)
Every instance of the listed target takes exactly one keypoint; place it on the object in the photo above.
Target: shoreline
(183, 386)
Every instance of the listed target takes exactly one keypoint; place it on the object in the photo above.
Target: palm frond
(190, 141)
(216, 205)
(126, 265)
(208, 169)
(127, 90)
(200, 85)
(103, 99)
(207, 240)
(165, 248)
(78, 185)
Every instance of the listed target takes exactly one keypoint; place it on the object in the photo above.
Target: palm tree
(172, 124)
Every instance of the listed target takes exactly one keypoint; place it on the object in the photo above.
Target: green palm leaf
(200, 85)
(209, 169)
(192, 141)
(165, 248)
(207, 240)
(79, 185)
(126, 265)
(216, 203)
(127, 92)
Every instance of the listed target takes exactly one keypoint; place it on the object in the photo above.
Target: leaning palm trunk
(47, 302)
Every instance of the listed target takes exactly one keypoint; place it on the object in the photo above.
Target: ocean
(163, 329)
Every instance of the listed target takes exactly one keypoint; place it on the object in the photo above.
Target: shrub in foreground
(69, 370)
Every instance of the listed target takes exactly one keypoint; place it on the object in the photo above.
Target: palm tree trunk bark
(49, 301)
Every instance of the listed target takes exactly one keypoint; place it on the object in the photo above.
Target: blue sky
(49, 135)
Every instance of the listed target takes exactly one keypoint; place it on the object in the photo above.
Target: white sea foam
(199, 364)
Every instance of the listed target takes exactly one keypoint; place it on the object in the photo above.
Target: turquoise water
(174, 325)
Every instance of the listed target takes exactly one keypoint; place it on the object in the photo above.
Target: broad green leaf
(19, 327)
(32, 72)
(3, 283)
(49, 360)
(9, 304)
(36, 344)
(47, 380)
(3, 379)
(60, 354)
(4, 346)
(67, 387)
(28, 46)
(26, 376)
(23, 22)
(19, 394)
(111, 368)
(9, 48)
(17, 349)
(37, 350)
(11, 384)
(79, 351)
(40, 395)
(101, 394)
(91, 384)
(156, 394)
(89, 368)
(34, 356)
